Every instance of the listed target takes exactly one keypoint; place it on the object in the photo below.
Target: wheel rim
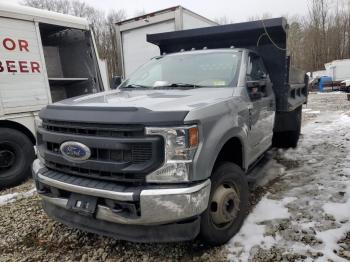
(7, 157)
(224, 206)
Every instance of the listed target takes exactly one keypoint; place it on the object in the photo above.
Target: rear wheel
(288, 139)
(16, 156)
(228, 204)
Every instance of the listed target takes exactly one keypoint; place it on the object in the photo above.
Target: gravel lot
(300, 209)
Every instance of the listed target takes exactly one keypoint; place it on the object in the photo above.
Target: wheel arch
(19, 127)
(232, 150)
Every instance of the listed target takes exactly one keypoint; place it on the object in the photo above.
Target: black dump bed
(266, 37)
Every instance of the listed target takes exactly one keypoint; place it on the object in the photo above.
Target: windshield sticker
(219, 83)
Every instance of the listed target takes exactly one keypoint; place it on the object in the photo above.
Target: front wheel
(16, 156)
(228, 204)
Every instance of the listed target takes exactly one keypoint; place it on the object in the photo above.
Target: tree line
(320, 36)
(323, 35)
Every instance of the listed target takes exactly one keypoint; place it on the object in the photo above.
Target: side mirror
(116, 81)
(256, 89)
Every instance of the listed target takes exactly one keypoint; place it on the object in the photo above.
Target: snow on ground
(252, 233)
(306, 212)
(12, 197)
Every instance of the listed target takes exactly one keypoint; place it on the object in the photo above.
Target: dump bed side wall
(23, 85)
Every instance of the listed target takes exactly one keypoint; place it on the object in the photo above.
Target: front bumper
(157, 205)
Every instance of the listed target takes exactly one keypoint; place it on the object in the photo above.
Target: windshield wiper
(176, 85)
(136, 86)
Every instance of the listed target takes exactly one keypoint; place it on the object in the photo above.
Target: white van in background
(133, 48)
(44, 57)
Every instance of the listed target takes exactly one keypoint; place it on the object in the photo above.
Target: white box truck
(44, 57)
(339, 70)
(133, 48)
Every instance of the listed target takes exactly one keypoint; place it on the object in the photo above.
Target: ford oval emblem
(75, 151)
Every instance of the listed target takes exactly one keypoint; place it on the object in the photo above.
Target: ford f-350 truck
(165, 157)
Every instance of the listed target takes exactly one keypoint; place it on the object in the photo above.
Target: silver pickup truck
(165, 156)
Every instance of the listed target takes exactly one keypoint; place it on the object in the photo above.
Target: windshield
(188, 70)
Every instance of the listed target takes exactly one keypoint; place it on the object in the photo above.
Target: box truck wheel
(228, 204)
(16, 156)
(288, 139)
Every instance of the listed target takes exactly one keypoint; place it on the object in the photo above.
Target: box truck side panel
(23, 86)
(191, 20)
(342, 70)
(136, 50)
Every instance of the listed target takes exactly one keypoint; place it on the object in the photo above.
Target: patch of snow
(340, 211)
(330, 93)
(313, 112)
(13, 197)
(253, 233)
(269, 209)
(306, 109)
(330, 239)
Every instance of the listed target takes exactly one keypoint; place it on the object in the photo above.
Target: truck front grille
(88, 129)
(91, 173)
(120, 153)
(137, 154)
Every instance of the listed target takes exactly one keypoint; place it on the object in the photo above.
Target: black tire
(16, 157)
(289, 139)
(225, 175)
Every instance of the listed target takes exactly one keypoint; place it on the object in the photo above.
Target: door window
(256, 70)
(257, 77)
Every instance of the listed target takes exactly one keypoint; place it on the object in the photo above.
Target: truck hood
(154, 100)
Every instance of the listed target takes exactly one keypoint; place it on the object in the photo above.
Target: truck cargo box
(267, 37)
(339, 70)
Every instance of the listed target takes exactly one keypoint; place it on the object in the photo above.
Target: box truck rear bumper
(168, 213)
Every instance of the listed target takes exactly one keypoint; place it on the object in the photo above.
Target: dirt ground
(300, 209)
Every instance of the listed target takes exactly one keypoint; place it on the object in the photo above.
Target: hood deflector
(112, 115)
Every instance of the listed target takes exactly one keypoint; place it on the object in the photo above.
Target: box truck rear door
(23, 86)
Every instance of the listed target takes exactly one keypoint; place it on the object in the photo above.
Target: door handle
(250, 117)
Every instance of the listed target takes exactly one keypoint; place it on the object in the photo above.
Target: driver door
(261, 109)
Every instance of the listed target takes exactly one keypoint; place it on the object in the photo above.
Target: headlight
(180, 147)
(38, 122)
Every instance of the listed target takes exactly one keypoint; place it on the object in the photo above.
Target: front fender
(218, 125)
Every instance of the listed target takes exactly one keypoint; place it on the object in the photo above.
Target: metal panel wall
(192, 20)
(136, 50)
(23, 86)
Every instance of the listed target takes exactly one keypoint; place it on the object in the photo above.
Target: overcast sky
(236, 10)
